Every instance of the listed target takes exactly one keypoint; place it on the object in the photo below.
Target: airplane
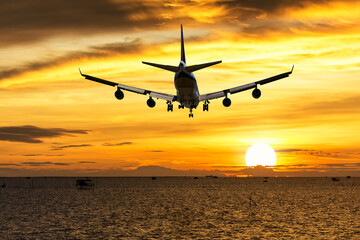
(187, 91)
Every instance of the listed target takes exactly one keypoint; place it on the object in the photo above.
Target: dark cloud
(157, 151)
(33, 134)
(44, 163)
(9, 164)
(94, 52)
(337, 165)
(62, 164)
(86, 162)
(71, 146)
(323, 154)
(36, 163)
(292, 165)
(48, 155)
(319, 153)
(261, 18)
(263, 5)
(117, 144)
(25, 21)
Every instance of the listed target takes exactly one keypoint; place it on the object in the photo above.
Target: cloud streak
(34, 134)
(37, 164)
(9, 164)
(26, 22)
(117, 144)
(71, 146)
(106, 50)
(290, 150)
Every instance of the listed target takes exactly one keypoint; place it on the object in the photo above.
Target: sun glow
(260, 154)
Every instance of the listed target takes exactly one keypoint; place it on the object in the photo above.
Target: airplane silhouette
(187, 91)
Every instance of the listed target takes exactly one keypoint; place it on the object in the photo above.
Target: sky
(55, 123)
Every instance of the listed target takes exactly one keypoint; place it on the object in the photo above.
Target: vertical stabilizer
(182, 46)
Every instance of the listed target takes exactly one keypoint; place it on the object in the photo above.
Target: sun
(260, 154)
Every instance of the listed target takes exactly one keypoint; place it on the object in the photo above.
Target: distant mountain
(158, 171)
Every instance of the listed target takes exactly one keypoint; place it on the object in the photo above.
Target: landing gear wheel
(191, 114)
(205, 107)
(170, 106)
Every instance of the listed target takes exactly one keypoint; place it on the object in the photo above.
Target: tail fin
(182, 46)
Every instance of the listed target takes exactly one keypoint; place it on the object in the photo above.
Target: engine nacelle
(151, 102)
(256, 93)
(119, 94)
(227, 102)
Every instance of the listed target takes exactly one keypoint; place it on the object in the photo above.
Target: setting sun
(260, 154)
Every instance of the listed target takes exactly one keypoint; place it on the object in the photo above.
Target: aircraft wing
(244, 87)
(164, 96)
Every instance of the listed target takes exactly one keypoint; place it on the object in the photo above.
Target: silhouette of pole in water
(251, 204)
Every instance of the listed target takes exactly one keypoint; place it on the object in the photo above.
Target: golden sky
(55, 123)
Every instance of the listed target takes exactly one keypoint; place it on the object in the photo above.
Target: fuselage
(186, 87)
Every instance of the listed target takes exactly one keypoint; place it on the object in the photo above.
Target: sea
(180, 208)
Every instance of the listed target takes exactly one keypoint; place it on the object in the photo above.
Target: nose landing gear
(191, 114)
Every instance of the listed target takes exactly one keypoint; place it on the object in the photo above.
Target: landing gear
(170, 106)
(191, 114)
(181, 106)
(193, 104)
(206, 106)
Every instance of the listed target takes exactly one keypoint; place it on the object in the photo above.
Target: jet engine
(151, 102)
(119, 94)
(256, 93)
(227, 102)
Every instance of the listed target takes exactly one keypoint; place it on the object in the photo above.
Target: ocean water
(180, 208)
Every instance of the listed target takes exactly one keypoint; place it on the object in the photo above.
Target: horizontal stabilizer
(165, 67)
(194, 68)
